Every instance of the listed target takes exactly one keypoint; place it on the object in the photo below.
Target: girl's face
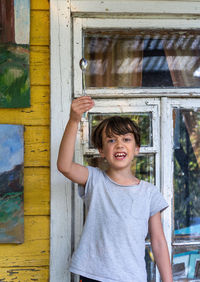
(119, 150)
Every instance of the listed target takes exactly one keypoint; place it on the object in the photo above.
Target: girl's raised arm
(73, 171)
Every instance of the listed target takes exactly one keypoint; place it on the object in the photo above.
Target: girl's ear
(101, 153)
(137, 150)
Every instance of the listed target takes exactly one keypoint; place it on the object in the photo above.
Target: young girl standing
(121, 208)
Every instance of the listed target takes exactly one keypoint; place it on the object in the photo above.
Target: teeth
(120, 154)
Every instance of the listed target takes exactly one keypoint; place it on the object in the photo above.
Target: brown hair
(115, 125)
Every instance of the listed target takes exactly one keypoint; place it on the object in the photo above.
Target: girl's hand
(79, 106)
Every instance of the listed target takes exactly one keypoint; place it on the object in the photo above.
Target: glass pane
(121, 58)
(186, 264)
(150, 264)
(186, 174)
(144, 120)
(143, 165)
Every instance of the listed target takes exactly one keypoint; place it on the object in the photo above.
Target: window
(141, 58)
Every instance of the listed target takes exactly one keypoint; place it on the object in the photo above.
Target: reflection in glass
(186, 264)
(144, 120)
(186, 174)
(143, 166)
(121, 58)
(150, 264)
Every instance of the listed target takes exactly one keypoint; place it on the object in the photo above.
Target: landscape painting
(14, 53)
(11, 183)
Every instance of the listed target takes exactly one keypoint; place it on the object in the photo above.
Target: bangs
(115, 125)
(118, 126)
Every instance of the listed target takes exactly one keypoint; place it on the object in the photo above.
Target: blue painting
(11, 183)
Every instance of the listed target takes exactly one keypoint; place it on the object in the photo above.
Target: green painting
(14, 53)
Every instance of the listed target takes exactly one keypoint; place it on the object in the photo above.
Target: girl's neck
(123, 177)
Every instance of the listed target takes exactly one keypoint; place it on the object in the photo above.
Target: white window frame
(61, 13)
(80, 24)
(167, 107)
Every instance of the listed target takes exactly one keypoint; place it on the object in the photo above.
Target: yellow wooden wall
(30, 260)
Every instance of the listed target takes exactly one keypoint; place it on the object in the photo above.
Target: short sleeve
(83, 191)
(158, 203)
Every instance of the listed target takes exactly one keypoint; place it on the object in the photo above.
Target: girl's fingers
(83, 108)
(80, 105)
(81, 102)
(82, 99)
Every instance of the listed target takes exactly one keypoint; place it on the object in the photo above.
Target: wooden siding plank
(36, 191)
(24, 274)
(36, 146)
(37, 114)
(40, 94)
(35, 249)
(39, 27)
(39, 65)
(39, 5)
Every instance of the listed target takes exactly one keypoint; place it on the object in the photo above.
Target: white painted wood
(77, 56)
(193, 104)
(166, 166)
(147, 92)
(128, 7)
(77, 84)
(60, 101)
(78, 202)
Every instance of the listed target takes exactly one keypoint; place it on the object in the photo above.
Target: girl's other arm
(159, 247)
(75, 172)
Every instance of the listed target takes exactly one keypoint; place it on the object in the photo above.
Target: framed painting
(11, 183)
(14, 53)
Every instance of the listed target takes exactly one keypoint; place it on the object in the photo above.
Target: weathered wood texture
(35, 249)
(24, 274)
(30, 260)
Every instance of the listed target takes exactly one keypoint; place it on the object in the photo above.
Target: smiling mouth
(120, 156)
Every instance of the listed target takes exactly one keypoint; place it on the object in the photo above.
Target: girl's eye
(111, 141)
(127, 139)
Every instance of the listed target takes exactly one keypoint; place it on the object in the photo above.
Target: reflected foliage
(186, 172)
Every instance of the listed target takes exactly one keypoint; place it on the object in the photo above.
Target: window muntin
(142, 59)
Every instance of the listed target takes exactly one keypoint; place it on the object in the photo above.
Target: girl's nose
(119, 144)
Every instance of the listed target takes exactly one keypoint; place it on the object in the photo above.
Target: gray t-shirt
(112, 245)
